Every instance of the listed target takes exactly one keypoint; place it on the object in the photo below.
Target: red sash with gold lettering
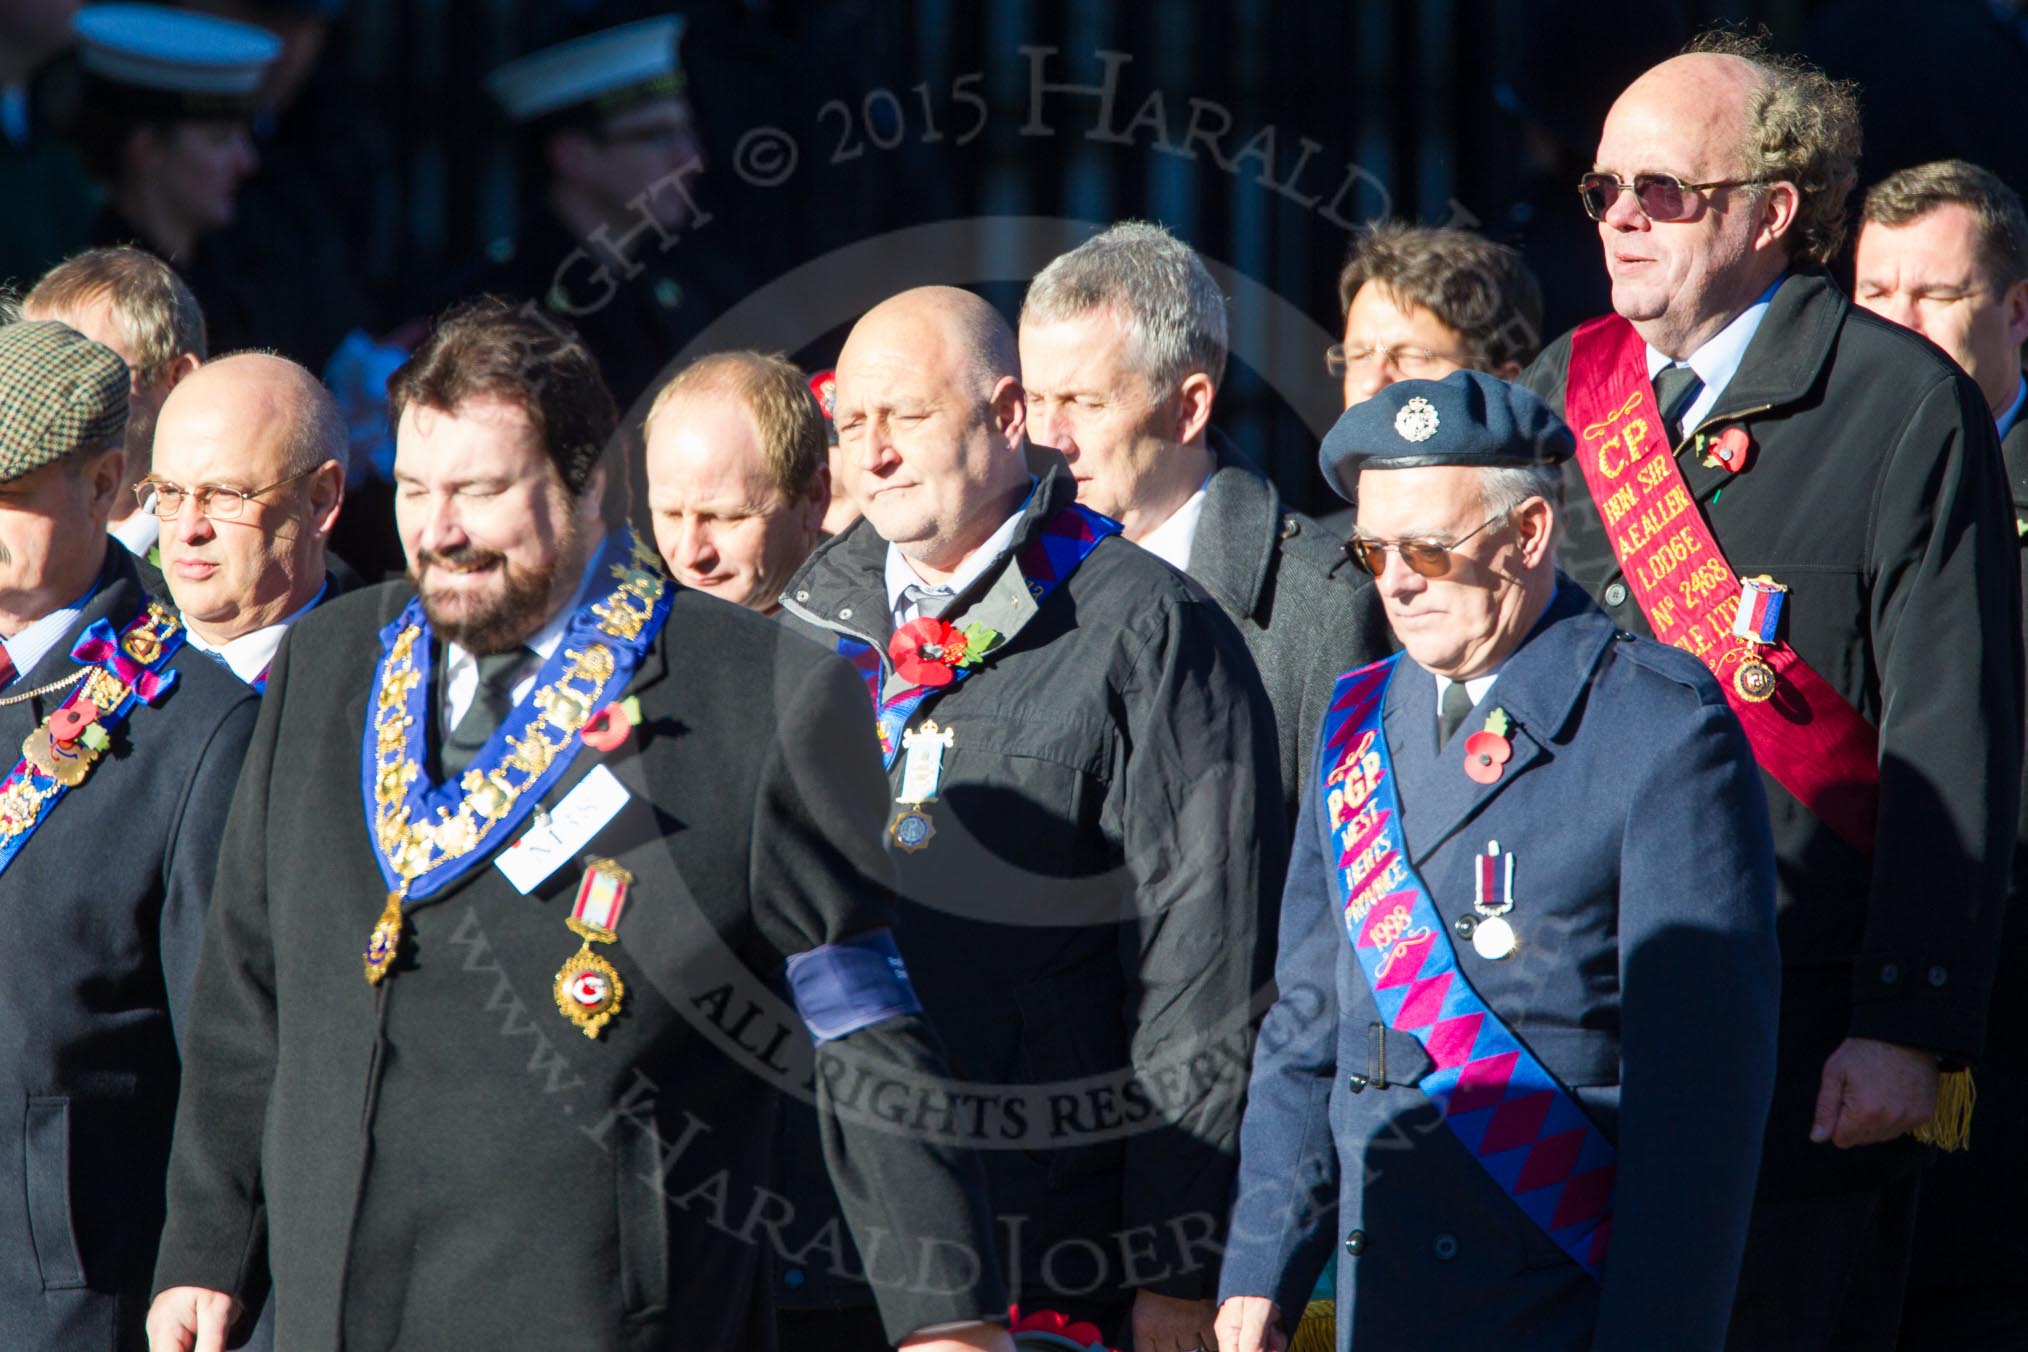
(1806, 734)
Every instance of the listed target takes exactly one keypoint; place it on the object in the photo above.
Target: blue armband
(852, 984)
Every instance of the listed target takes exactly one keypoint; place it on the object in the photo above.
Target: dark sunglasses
(1431, 558)
(1661, 197)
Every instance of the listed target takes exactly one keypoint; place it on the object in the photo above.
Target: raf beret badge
(1417, 420)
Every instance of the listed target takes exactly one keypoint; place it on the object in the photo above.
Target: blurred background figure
(36, 165)
(738, 482)
(163, 126)
(135, 304)
(609, 153)
(248, 480)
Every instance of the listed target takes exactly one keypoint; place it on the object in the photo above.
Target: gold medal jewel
(1755, 624)
(63, 748)
(385, 940)
(588, 988)
(1755, 680)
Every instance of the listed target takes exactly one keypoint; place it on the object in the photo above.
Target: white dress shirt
(459, 684)
(900, 574)
(1476, 687)
(250, 655)
(1170, 542)
(1718, 360)
(139, 532)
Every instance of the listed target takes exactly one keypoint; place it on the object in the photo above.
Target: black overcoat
(101, 919)
(1876, 493)
(1088, 926)
(443, 1161)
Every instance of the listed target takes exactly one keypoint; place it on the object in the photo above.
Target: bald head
(264, 426)
(269, 398)
(1682, 279)
(1717, 85)
(952, 323)
(931, 424)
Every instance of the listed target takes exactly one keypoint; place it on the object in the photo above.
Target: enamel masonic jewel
(588, 988)
(1755, 624)
(1491, 935)
(921, 774)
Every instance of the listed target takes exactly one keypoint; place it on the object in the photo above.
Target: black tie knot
(491, 703)
(1676, 388)
(1453, 710)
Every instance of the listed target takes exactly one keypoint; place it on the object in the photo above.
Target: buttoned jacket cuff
(1909, 1002)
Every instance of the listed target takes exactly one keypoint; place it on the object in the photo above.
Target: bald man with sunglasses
(1813, 502)
(1524, 1042)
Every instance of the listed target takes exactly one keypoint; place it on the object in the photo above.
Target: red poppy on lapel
(926, 651)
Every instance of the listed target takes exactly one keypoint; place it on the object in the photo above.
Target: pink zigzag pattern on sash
(1518, 1119)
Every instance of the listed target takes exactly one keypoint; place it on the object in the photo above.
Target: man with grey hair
(1813, 502)
(1122, 348)
(1524, 1044)
(135, 304)
(248, 481)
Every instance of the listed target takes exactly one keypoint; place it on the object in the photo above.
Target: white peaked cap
(152, 47)
(582, 69)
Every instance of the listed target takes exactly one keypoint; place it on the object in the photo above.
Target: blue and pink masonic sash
(1521, 1125)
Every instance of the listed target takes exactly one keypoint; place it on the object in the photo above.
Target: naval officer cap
(1468, 418)
(60, 393)
(605, 73)
(160, 62)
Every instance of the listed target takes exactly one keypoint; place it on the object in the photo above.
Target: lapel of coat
(1236, 535)
(1781, 366)
(843, 587)
(1539, 687)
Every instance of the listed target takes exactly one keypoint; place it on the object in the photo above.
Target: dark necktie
(1676, 388)
(7, 671)
(929, 602)
(491, 703)
(1455, 708)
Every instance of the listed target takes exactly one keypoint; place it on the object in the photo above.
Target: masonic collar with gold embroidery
(428, 835)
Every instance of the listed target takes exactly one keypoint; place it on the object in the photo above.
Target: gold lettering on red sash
(1812, 740)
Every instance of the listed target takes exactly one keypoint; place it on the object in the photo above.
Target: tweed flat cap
(1467, 418)
(60, 393)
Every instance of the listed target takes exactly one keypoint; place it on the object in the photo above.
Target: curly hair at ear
(1802, 128)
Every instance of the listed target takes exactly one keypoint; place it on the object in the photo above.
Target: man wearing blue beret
(1524, 1041)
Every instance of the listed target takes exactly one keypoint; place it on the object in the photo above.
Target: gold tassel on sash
(1950, 1127)
(1319, 1330)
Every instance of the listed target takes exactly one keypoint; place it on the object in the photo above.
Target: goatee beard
(507, 620)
